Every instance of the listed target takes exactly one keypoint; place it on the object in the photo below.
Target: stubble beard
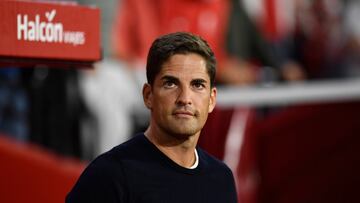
(181, 128)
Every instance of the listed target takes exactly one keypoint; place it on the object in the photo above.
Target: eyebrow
(175, 79)
(198, 80)
(170, 78)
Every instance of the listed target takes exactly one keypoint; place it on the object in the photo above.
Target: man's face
(181, 97)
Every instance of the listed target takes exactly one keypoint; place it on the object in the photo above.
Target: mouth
(183, 114)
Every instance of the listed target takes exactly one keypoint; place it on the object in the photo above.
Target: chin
(181, 129)
(184, 133)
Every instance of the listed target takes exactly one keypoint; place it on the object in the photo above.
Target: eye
(198, 85)
(169, 84)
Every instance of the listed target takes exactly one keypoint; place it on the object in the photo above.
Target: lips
(183, 113)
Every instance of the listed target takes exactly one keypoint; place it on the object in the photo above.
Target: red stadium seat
(31, 174)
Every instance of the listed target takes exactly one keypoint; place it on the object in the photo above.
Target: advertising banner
(51, 31)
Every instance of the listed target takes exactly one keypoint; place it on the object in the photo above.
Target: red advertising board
(49, 31)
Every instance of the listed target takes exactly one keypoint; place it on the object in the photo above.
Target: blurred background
(287, 119)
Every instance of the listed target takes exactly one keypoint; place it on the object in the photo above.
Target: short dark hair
(178, 43)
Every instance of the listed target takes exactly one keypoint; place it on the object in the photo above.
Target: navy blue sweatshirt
(136, 171)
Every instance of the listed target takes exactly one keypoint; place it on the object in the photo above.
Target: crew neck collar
(193, 169)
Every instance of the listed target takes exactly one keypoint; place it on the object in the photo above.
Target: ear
(212, 102)
(147, 95)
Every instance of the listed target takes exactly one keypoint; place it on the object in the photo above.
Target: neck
(180, 150)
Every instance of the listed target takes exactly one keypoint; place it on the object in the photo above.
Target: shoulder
(104, 176)
(220, 175)
(210, 159)
(112, 160)
(212, 163)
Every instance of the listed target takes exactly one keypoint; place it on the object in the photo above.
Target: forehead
(185, 64)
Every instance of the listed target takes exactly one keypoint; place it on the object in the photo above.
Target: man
(164, 164)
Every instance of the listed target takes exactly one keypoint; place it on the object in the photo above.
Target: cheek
(203, 105)
(166, 98)
(163, 103)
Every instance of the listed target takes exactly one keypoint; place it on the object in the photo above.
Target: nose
(184, 97)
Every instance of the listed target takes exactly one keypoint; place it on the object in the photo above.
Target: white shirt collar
(196, 161)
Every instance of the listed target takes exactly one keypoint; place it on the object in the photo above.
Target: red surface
(31, 174)
(214, 132)
(306, 153)
(310, 154)
(139, 22)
